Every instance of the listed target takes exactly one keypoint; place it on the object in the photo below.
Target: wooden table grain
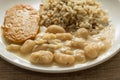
(109, 70)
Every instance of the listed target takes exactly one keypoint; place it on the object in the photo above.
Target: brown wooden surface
(110, 70)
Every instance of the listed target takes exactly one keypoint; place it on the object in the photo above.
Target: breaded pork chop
(21, 23)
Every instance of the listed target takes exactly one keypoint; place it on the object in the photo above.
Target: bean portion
(64, 49)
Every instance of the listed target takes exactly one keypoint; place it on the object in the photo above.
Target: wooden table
(109, 70)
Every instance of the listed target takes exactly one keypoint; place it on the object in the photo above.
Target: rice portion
(74, 14)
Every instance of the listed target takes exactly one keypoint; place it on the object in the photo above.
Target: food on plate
(71, 32)
(21, 23)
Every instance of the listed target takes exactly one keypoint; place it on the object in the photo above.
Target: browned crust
(18, 27)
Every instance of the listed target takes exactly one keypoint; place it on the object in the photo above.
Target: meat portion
(21, 23)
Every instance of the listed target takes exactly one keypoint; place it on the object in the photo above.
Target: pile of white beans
(55, 45)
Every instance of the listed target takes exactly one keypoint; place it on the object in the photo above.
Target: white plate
(112, 6)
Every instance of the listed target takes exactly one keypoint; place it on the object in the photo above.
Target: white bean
(55, 29)
(13, 47)
(49, 36)
(64, 36)
(64, 59)
(78, 43)
(79, 56)
(82, 32)
(48, 47)
(91, 50)
(40, 41)
(27, 46)
(40, 47)
(41, 57)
